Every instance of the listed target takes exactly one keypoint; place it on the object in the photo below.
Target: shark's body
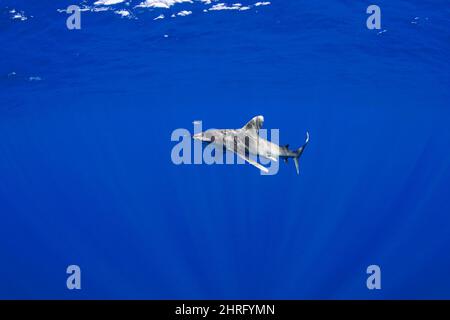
(247, 141)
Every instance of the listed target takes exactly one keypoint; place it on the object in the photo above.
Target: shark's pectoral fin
(271, 158)
(252, 162)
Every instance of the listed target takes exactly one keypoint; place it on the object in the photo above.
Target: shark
(246, 141)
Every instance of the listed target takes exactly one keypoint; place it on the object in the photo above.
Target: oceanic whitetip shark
(247, 141)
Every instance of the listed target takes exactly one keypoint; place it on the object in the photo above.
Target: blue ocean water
(86, 175)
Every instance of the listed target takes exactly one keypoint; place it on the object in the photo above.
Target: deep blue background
(86, 176)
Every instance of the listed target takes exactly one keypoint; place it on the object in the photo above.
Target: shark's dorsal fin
(255, 124)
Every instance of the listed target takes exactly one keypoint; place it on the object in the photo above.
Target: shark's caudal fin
(299, 153)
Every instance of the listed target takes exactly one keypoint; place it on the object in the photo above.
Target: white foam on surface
(107, 2)
(223, 6)
(124, 8)
(162, 4)
(100, 9)
(18, 15)
(184, 13)
(123, 13)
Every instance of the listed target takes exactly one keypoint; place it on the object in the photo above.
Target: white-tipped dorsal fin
(255, 124)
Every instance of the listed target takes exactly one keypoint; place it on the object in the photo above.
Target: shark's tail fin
(299, 153)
